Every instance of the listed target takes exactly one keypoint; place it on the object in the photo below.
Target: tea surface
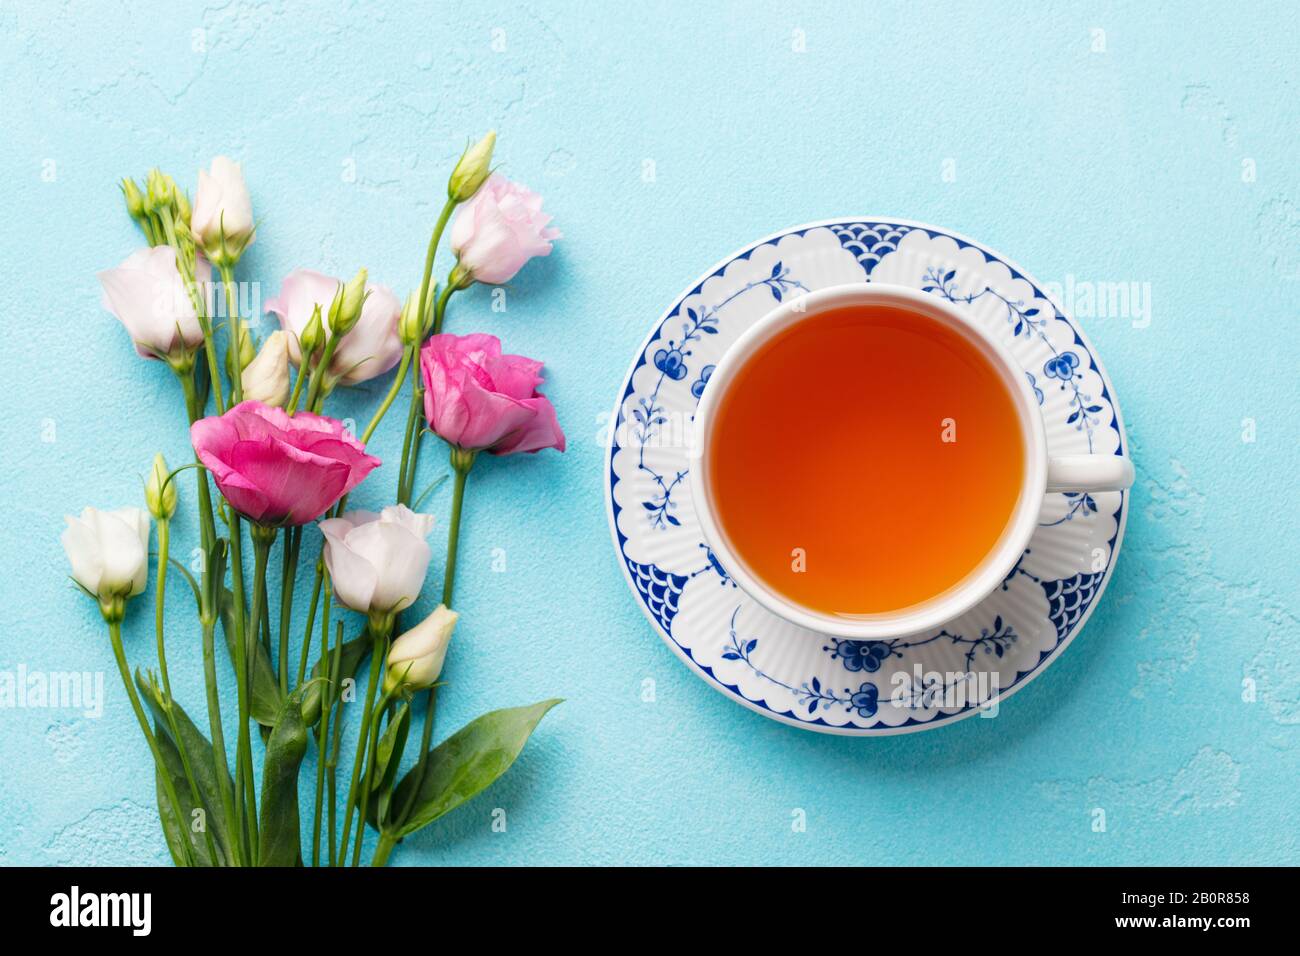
(865, 460)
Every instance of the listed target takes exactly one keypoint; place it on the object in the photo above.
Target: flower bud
(159, 493)
(183, 212)
(134, 198)
(246, 352)
(416, 658)
(473, 169)
(312, 338)
(222, 221)
(408, 326)
(162, 190)
(345, 310)
(267, 377)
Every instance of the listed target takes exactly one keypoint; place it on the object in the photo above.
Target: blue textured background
(1128, 164)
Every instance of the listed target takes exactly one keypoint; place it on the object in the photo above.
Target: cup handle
(1089, 473)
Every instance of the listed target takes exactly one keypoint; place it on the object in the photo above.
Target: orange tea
(865, 460)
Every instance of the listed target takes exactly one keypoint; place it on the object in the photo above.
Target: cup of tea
(867, 462)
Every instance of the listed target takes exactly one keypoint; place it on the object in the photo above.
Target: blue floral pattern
(1033, 383)
(1027, 320)
(860, 655)
(833, 684)
(697, 387)
(672, 365)
(672, 362)
(811, 693)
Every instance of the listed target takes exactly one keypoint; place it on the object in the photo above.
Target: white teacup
(1082, 473)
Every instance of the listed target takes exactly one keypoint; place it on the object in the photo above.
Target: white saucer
(798, 677)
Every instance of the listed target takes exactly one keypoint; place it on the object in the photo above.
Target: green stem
(115, 637)
(406, 476)
(386, 844)
(405, 480)
(200, 310)
(440, 309)
(288, 578)
(422, 764)
(232, 344)
(311, 621)
(245, 791)
(263, 538)
(434, 239)
(218, 735)
(461, 462)
(372, 755)
(292, 405)
(160, 604)
(331, 768)
(328, 693)
(417, 403)
(377, 654)
(207, 525)
(208, 608)
(316, 387)
(378, 417)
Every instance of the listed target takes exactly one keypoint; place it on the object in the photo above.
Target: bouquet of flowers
(279, 463)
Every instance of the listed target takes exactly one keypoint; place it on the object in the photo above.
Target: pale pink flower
(222, 204)
(147, 295)
(377, 562)
(373, 345)
(499, 230)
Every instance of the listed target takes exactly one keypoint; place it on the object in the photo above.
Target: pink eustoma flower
(499, 230)
(480, 400)
(277, 470)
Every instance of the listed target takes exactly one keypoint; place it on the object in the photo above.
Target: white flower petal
(82, 546)
(400, 559)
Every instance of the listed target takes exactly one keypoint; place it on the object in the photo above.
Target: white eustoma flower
(222, 205)
(266, 379)
(415, 659)
(377, 562)
(109, 550)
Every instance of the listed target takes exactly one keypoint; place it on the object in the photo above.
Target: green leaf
(467, 762)
(386, 764)
(267, 700)
(202, 764)
(278, 830)
(388, 759)
(172, 831)
(179, 832)
(351, 656)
